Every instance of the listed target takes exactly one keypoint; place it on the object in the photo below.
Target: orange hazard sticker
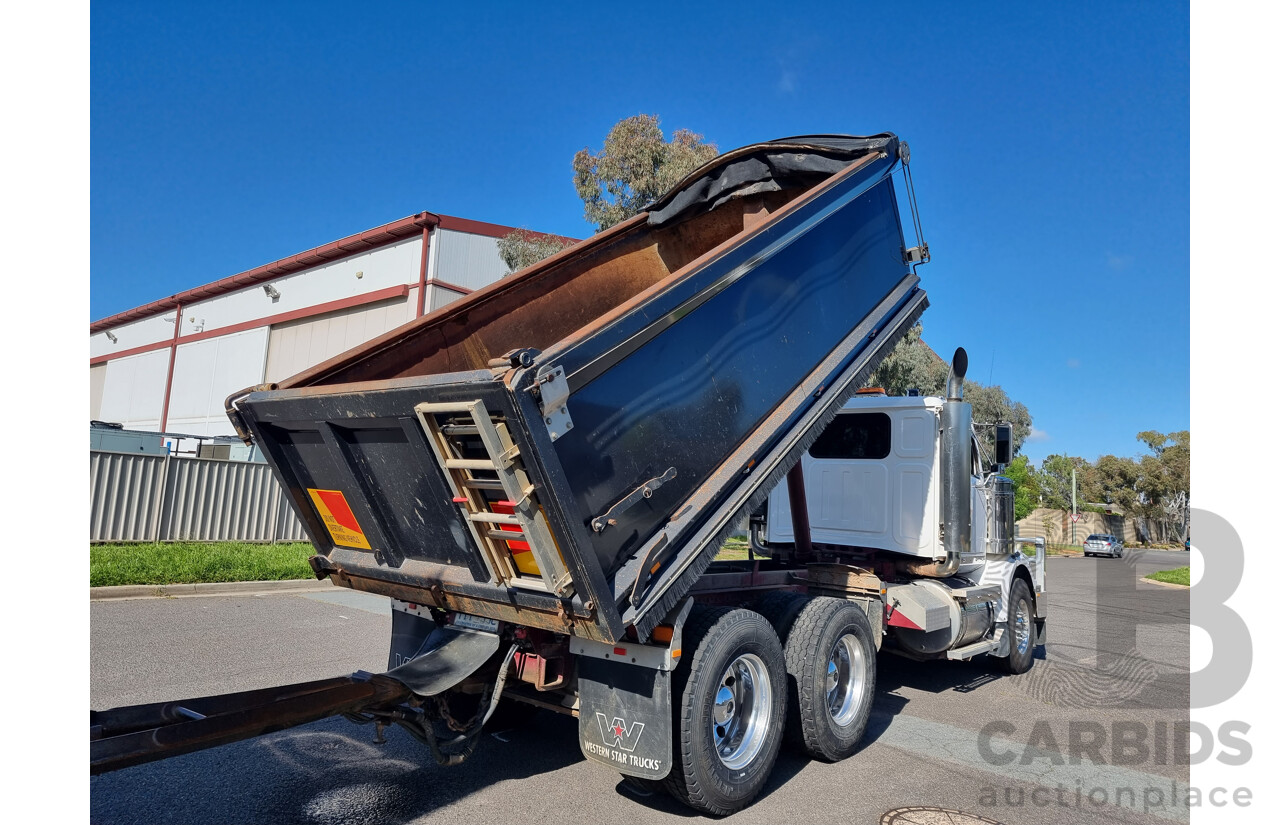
(343, 527)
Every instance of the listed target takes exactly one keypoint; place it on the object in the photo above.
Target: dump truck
(540, 477)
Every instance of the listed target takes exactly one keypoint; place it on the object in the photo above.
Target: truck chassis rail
(127, 736)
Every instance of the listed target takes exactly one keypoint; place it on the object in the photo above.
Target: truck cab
(873, 482)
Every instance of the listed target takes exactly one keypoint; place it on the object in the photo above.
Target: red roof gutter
(384, 235)
(355, 244)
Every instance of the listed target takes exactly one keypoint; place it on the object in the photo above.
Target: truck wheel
(728, 699)
(831, 665)
(780, 609)
(1021, 628)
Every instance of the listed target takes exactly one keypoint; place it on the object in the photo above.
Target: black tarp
(785, 163)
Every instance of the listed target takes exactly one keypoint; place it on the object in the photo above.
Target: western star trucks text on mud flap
(540, 475)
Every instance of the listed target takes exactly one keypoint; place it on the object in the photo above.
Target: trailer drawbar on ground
(541, 474)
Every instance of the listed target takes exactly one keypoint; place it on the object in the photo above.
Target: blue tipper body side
(718, 372)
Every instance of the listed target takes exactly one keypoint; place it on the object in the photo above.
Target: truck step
(978, 594)
(483, 484)
(469, 464)
(495, 518)
(969, 651)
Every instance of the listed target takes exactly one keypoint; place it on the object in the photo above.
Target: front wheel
(728, 698)
(1020, 628)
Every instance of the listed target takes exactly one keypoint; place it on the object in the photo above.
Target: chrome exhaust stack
(957, 471)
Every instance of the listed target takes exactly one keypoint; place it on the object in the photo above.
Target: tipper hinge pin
(553, 391)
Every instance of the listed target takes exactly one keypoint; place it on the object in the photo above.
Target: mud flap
(624, 718)
(442, 659)
(408, 632)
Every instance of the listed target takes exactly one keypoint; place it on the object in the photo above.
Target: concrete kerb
(1146, 580)
(171, 591)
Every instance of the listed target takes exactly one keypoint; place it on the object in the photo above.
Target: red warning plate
(336, 513)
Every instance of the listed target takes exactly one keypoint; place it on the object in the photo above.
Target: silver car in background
(1103, 544)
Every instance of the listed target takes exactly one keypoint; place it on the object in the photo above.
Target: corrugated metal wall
(162, 498)
(465, 259)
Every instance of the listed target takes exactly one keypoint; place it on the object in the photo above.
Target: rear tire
(1020, 627)
(780, 608)
(729, 703)
(831, 669)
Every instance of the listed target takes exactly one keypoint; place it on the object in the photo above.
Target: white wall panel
(466, 259)
(136, 334)
(133, 390)
(206, 372)
(387, 266)
(438, 296)
(296, 345)
(97, 381)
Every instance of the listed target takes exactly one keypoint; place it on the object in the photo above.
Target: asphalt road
(1116, 665)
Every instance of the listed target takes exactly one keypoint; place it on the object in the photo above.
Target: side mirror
(1004, 444)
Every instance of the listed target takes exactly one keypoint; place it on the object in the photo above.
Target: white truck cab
(874, 483)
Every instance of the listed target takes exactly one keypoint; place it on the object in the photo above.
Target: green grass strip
(1178, 575)
(197, 563)
(734, 549)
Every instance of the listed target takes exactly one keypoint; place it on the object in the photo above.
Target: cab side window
(855, 435)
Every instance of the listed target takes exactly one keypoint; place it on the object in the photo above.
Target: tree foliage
(523, 248)
(1155, 486)
(1054, 479)
(635, 167)
(914, 365)
(911, 365)
(992, 405)
(1026, 487)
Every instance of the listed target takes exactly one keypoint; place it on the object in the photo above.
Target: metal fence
(163, 498)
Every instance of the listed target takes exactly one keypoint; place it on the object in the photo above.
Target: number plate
(475, 622)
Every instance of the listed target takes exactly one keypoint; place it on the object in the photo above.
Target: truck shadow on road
(331, 771)
(326, 772)
(894, 672)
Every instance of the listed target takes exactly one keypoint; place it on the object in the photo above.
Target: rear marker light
(620, 651)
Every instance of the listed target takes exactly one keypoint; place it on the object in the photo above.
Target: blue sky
(1049, 149)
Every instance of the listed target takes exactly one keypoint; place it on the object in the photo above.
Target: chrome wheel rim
(741, 711)
(1022, 626)
(846, 679)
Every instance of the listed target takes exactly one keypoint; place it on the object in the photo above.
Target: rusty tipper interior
(567, 296)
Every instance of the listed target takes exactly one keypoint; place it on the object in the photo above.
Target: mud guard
(444, 656)
(624, 717)
(408, 632)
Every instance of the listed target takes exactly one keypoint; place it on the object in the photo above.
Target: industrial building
(169, 365)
